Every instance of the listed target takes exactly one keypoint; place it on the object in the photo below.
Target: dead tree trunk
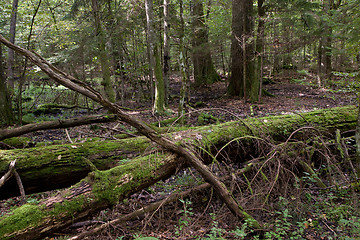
(73, 122)
(46, 168)
(189, 156)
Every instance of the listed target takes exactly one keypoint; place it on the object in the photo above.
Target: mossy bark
(59, 166)
(97, 191)
(44, 168)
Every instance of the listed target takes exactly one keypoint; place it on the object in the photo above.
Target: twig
(21, 187)
(68, 136)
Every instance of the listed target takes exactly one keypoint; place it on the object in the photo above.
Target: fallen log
(59, 166)
(104, 188)
(181, 150)
(73, 122)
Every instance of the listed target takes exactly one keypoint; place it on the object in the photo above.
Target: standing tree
(102, 54)
(154, 59)
(6, 113)
(12, 40)
(183, 65)
(166, 67)
(260, 43)
(204, 71)
(243, 81)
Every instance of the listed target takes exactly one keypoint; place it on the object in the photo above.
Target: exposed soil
(169, 222)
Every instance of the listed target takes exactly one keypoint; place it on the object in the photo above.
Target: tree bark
(51, 166)
(12, 34)
(243, 81)
(6, 112)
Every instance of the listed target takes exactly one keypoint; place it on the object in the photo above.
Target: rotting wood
(190, 157)
(73, 122)
(59, 166)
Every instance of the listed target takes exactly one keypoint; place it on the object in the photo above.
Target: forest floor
(307, 213)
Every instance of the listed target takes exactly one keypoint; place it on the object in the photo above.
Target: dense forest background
(129, 51)
(191, 76)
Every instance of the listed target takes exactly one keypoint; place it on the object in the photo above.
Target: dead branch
(73, 122)
(8, 174)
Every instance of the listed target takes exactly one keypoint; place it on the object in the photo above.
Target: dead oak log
(46, 168)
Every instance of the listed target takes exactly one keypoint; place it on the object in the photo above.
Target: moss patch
(25, 216)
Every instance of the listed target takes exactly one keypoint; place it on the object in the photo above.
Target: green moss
(25, 216)
(17, 142)
(69, 208)
(111, 184)
(52, 160)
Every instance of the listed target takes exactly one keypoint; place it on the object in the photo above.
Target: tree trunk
(183, 64)
(243, 81)
(204, 71)
(260, 45)
(166, 67)
(12, 34)
(6, 112)
(154, 59)
(54, 164)
(324, 52)
(103, 56)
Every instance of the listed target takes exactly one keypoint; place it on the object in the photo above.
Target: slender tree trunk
(183, 64)
(324, 52)
(103, 56)
(204, 70)
(166, 67)
(6, 112)
(260, 45)
(11, 76)
(154, 58)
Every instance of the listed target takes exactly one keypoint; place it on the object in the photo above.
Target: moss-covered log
(45, 168)
(59, 166)
(97, 191)
(104, 188)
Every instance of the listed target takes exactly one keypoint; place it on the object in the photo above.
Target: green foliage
(184, 220)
